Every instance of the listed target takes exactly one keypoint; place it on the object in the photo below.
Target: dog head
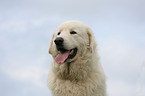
(70, 40)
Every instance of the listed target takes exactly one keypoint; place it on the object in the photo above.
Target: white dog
(76, 70)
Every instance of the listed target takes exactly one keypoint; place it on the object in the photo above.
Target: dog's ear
(91, 41)
(50, 45)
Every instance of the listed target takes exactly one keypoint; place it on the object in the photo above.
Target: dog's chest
(69, 88)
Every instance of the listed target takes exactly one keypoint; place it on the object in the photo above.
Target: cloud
(120, 88)
(141, 81)
(28, 74)
(81, 10)
(25, 71)
(121, 58)
(22, 88)
(13, 26)
(24, 64)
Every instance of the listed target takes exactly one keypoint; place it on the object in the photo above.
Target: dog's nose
(59, 41)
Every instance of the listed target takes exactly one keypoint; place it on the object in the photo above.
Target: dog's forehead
(72, 26)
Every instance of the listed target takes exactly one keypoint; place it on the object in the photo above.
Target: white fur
(85, 76)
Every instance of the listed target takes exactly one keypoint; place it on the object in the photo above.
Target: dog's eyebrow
(73, 29)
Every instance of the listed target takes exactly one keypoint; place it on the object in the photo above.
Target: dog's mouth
(65, 55)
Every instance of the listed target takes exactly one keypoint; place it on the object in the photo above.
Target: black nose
(59, 41)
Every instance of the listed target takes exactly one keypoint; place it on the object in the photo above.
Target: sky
(26, 28)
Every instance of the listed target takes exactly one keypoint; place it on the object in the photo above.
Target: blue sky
(26, 27)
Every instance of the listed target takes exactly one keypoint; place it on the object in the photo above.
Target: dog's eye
(73, 32)
(58, 33)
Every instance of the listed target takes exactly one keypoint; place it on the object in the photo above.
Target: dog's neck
(74, 71)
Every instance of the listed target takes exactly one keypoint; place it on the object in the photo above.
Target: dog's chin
(66, 56)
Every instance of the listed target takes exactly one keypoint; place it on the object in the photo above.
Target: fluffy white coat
(84, 75)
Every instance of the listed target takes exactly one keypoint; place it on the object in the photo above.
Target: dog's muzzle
(65, 54)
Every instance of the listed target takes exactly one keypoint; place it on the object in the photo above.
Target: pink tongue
(60, 58)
